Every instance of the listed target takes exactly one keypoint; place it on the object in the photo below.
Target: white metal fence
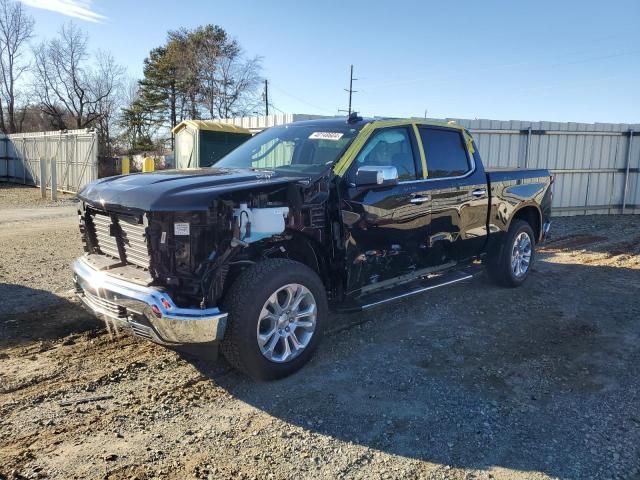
(74, 153)
(596, 166)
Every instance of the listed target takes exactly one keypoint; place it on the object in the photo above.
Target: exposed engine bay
(193, 255)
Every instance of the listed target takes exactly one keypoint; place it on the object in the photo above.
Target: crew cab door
(457, 185)
(384, 224)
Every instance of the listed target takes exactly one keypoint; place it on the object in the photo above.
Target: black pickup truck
(302, 219)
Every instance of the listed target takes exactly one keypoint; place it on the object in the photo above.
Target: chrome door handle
(419, 199)
(480, 192)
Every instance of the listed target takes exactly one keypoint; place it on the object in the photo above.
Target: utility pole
(266, 96)
(351, 90)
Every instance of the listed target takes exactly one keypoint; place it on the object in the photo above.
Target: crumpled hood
(175, 190)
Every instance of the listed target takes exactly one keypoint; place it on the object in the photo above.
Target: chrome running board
(415, 292)
(408, 289)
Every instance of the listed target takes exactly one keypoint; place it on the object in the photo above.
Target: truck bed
(500, 174)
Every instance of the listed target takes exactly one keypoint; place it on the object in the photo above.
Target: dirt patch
(572, 242)
(471, 381)
(16, 195)
(36, 250)
(64, 317)
(630, 247)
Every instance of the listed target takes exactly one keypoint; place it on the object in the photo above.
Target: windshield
(292, 149)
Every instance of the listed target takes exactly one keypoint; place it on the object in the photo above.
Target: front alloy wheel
(287, 323)
(277, 312)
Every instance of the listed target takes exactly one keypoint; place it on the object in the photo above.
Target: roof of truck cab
(211, 126)
(375, 122)
(390, 122)
(330, 122)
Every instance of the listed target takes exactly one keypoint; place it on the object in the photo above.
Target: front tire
(510, 265)
(277, 314)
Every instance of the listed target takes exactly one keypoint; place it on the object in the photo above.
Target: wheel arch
(303, 249)
(296, 246)
(531, 214)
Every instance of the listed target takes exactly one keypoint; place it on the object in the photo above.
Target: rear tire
(510, 264)
(262, 305)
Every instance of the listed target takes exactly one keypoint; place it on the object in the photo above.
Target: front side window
(389, 147)
(292, 149)
(445, 151)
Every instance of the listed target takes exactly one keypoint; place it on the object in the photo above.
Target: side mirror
(376, 176)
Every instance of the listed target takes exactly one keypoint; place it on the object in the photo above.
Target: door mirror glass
(380, 176)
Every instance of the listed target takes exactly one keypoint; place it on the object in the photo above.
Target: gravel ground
(13, 195)
(468, 382)
(38, 241)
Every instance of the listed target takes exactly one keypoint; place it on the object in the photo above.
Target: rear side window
(445, 151)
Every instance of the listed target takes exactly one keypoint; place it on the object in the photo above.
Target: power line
(272, 107)
(299, 99)
(276, 108)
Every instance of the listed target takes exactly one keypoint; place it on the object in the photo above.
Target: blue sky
(544, 60)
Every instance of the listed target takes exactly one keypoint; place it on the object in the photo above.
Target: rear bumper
(147, 311)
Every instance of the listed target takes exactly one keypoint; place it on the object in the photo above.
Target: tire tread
(247, 285)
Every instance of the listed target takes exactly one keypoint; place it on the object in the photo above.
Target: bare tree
(67, 84)
(31, 119)
(16, 28)
(233, 86)
(211, 52)
(108, 87)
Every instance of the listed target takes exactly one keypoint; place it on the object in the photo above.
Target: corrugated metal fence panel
(261, 122)
(266, 121)
(589, 160)
(4, 160)
(633, 196)
(75, 153)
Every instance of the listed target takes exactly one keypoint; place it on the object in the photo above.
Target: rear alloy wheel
(510, 264)
(277, 312)
(521, 255)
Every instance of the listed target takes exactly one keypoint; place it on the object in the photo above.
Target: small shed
(201, 143)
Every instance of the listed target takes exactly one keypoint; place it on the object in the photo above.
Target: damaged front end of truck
(163, 249)
(165, 273)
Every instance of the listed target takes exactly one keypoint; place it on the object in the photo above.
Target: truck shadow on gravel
(537, 379)
(28, 315)
(594, 244)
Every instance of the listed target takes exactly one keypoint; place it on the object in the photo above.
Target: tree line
(60, 83)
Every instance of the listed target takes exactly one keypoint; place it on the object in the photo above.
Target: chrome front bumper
(149, 312)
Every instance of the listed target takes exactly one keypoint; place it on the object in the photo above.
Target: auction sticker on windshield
(335, 136)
